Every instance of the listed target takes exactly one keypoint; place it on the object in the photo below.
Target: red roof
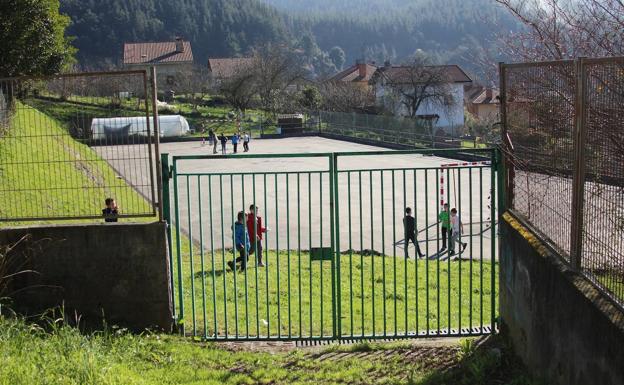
(453, 73)
(154, 53)
(487, 96)
(227, 67)
(352, 74)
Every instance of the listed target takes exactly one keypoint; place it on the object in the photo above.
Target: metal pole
(508, 191)
(578, 181)
(159, 182)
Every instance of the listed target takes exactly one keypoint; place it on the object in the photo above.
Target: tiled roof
(226, 67)
(352, 74)
(453, 73)
(154, 53)
(484, 98)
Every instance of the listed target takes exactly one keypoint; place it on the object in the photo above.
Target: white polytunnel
(169, 125)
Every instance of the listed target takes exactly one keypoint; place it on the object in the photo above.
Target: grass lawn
(292, 295)
(47, 173)
(57, 354)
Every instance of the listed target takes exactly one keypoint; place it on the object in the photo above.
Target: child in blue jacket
(235, 139)
(241, 241)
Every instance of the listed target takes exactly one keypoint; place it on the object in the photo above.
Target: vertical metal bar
(225, 311)
(383, 255)
(459, 210)
(310, 247)
(299, 249)
(265, 250)
(277, 264)
(335, 240)
(191, 262)
(178, 247)
(405, 260)
(427, 260)
(578, 181)
(481, 249)
(350, 253)
(258, 257)
(372, 232)
(201, 254)
(212, 258)
(234, 219)
(156, 155)
(471, 244)
(493, 242)
(321, 246)
(361, 251)
(156, 140)
(246, 256)
(426, 249)
(448, 252)
(167, 219)
(288, 253)
(394, 263)
(438, 251)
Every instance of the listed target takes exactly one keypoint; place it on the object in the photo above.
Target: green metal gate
(336, 264)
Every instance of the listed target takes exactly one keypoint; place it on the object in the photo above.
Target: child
(457, 227)
(213, 139)
(246, 140)
(255, 233)
(235, 142)
(409, 223)
(443, 217)
(223, 140)
(241, 241)
(111, 211)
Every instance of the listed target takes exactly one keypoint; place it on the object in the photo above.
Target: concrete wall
(564, 329)
(113, 272)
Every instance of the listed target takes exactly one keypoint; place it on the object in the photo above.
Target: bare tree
(195, 83)
(345, 97)
(417, 84)
(239, 89)
(275, 71)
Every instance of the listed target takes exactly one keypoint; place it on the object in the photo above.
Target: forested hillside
(215, 27)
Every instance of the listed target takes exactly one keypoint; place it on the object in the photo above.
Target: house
(168, 57)
(224, 68)
(450, 78)
(358, 75)
(482, 102)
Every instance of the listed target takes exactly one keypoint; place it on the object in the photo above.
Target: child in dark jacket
(241, 242)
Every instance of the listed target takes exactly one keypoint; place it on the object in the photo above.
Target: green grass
(49, 174)
(305, 290)
(57, 354)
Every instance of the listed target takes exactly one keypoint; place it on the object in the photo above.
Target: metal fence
(564, 142)
(336, 263)
(67, 140)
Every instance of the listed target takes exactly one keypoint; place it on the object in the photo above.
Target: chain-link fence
(564, 143)
(67, 141)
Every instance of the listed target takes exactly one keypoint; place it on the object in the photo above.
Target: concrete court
(295, 203)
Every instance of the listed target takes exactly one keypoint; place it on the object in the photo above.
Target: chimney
(361, 66)
(179, 44)
(488, 93)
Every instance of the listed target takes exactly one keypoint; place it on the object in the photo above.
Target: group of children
(452, 228)
(236, 139)
(248, 232)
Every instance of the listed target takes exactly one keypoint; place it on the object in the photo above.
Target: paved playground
(294, 196)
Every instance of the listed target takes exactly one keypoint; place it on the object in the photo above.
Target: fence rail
(48, 168)
(563, 124)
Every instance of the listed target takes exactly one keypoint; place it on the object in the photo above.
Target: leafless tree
(345, 97)
(193, 82)
(239, 89)
(416, 84)
(276, 71)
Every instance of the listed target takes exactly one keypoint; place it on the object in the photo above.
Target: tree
(275, 70)
(418, 83)
(32, 38)
(345, 97)
(338, 57)
(193, 82)
(310, 98)
(239, 89)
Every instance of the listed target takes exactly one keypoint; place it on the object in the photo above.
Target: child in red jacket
(255, 233)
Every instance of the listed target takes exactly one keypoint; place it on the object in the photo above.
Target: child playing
(246, 139)
(255, 233)
(223, 139)
(444, 219)
(409, 223)
(241, 241)
(457, 227)
(111, 211)
(235, 139)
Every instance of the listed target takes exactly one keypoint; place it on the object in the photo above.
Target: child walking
(241, 240)
(444, 219)
(223, 139)
(255, 231)
(246, 139)
(409, 224)
(457, 227)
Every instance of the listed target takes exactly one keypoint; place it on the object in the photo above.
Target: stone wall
(117, 273)
(564, 329)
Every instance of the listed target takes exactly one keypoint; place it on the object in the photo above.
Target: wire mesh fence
(62, 138)
(563, 126)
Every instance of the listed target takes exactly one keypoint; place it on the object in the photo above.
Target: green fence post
(178, 248)
(164, 161)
